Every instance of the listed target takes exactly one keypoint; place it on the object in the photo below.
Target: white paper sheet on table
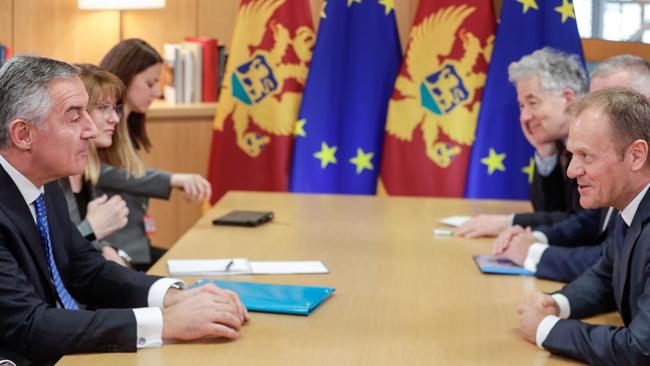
(454, 221)
(241, 266)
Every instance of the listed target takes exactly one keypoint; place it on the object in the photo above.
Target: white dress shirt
(547, 324)
(149, 320)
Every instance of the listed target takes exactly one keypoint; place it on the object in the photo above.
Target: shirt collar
(27, 189)
(630, 210)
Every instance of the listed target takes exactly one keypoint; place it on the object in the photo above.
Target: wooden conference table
(403, 296)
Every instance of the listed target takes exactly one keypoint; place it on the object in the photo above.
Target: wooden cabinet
(181, 137)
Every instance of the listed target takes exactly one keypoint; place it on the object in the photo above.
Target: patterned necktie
(44, 230)
(620, 230)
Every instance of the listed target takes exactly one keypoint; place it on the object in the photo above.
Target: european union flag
(340, 128)
(502, 162)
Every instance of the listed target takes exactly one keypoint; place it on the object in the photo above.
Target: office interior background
(182, 134)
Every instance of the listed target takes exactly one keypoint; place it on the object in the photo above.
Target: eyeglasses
(108, 109)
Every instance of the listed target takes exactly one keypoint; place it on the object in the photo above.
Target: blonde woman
(102, 216)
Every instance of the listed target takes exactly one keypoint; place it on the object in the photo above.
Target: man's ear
(569, 95)
(20, 132)
(638, 151)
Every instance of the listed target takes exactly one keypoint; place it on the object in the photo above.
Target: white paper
(193, 267)
(241, 266)
(292, 267)
(455, 221)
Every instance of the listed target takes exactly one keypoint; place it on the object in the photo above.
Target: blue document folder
(494, 265)
(271, 298)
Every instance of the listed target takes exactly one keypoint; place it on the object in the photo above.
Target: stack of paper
(240, 266)
(454, 221)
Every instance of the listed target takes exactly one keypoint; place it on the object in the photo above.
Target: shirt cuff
(545, 166)
(149, 327)
(563, 303)
(157, 291)
(535, 252)
(544, 328)
(511, 220)
(540, 237)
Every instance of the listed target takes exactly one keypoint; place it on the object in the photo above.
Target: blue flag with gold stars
(340, 129)
(502, 162)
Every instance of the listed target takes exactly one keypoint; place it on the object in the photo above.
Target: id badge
(149, 224)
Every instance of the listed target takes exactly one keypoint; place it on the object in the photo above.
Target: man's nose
(88, 128)
(574, 169)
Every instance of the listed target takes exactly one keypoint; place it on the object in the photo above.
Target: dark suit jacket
(33, 331)
(576, 244)
(620, 280)
(554, 197)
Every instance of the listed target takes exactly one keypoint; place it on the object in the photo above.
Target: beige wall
(57, 28)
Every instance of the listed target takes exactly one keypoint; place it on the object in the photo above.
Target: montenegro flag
(261, 94)
(434, 107)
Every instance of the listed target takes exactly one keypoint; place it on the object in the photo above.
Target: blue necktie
(620, 230)
(44, 230)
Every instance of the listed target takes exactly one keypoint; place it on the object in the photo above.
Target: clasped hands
(535, 308)
(513, 243)
(204, 312)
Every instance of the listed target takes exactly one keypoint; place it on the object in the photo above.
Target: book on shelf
(209, 66)
(191, 71)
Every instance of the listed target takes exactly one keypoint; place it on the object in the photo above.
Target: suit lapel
(18, 212)
(621, 271)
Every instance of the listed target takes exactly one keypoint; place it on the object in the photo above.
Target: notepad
(454, 221)
(272, 298)
(492, 265)
(241, 266)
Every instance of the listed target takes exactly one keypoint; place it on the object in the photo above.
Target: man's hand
(483, 225)
(195, 187)
(175, 296)
(536, 307)
(201, 316)
(517, 248)
(504, 238)
(111, 255)
(106, 216)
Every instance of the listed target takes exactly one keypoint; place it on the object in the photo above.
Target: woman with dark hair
(138, 65)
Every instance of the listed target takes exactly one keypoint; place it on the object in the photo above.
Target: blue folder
(492, 265)
(271, 298)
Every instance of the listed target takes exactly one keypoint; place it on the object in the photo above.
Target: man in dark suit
(546, 82)
(609, 142)
(565, 250)
(50, 276)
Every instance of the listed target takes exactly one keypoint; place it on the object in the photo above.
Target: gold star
(350, 2)
(529, 170)
(299, 128)
(322, 10)
(388, 5)
(528, 4)
(326, 155)
(566, 10)
(362, 161)
(494, 161)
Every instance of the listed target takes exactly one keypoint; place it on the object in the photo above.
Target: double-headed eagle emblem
(439, 92)
(253, 89)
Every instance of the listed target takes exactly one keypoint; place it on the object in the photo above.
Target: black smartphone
(244, 218)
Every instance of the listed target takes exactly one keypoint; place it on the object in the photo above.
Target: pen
(229, 265)
(442, 232)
